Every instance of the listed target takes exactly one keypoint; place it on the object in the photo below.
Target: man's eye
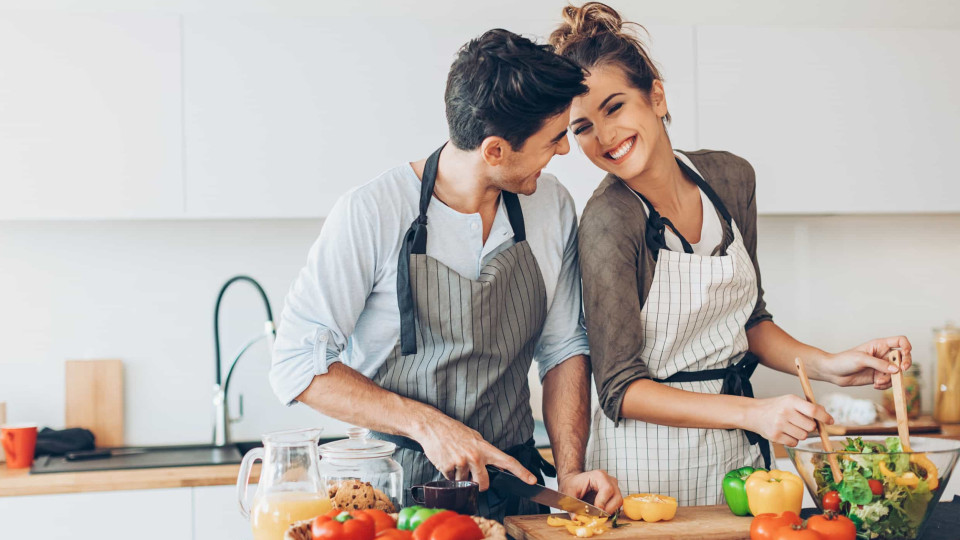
(581, 129)
(615, 108)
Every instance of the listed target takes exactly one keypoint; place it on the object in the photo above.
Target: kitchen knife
(506, 484)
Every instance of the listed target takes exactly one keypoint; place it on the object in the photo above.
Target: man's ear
(494, 150)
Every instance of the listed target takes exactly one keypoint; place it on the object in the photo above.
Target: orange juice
(274, 513)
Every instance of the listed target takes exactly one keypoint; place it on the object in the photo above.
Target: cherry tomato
(831, 501)
(833, 527)
(876, 486)
(796, 532)
(765, 526)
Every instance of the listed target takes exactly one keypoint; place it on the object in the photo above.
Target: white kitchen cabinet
(217, 515)
(835, 120)
(90, 116)
(154, 514)
(283, 115)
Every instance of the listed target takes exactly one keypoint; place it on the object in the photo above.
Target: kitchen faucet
(222, 420)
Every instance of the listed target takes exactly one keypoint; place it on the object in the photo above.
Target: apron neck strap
(415, 242)
(656, 224)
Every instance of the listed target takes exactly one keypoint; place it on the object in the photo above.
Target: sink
(149, 457)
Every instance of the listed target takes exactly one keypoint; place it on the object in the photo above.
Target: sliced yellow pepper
(649, 507)
(908, 479)
(774, 492)
(924, 463)
(885, 471)
(580, 526)
(554, 521)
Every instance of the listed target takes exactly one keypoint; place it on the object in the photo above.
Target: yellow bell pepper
(649, 507)
(908, 479)
(924, 463)
(774, 492)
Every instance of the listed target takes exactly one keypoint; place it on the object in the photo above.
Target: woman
(675, 312)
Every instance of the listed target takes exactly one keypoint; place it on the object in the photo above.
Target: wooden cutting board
(94, 399)
(923, 424)
(691, 522)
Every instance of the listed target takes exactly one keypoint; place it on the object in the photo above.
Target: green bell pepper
(422, 515)
(735, 492)
(403, 518)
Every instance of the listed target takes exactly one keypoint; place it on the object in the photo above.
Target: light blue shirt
(343, 305)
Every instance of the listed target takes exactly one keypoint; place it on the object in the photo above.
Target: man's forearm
(345, 394)
(566, 411)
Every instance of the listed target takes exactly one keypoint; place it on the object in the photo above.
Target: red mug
(19, 443)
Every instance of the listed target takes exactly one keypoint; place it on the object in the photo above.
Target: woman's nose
(606, 136)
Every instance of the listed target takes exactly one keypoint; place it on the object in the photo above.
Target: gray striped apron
(693, 321)
(466, 347)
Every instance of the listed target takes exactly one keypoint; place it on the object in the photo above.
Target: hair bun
(586, 22)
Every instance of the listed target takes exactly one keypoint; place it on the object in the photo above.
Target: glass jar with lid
(946, 407)
(349, 463)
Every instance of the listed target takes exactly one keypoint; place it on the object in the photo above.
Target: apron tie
(736, 382)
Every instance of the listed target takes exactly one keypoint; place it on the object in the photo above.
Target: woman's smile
(620, 152)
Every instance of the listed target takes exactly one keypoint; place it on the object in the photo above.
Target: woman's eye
(615, 108)
(581, 129)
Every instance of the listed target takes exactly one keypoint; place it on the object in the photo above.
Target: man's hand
(460, 453)
(866, 364)
(596, 485)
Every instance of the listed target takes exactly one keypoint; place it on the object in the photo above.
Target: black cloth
(59, 442)
(526, 453)
(736, 382)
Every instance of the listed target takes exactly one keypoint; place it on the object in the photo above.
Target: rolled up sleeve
(563, 334)
(326, 299)
(610, 244)
(749, 233)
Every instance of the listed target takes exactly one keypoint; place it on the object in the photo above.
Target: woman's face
(618, 126)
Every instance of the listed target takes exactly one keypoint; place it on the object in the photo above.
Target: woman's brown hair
(594, 35)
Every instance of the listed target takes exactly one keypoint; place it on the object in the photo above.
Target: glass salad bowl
(888, 493)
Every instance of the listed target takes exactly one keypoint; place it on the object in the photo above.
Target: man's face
(519, 170)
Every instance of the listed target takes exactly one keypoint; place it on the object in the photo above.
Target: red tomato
(833, 527)
(796, 532)
(831, 501)
(876, 486)
(765, 526)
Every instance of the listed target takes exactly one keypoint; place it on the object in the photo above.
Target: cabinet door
(155, 514)
(217, 514)
(835, 121)
(284, 114)
(90, 116)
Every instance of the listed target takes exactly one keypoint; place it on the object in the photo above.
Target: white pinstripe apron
(692, 320)
(466, 347)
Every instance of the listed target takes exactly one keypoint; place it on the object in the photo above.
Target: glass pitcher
(290, 488)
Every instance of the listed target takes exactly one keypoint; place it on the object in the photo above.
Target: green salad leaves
(896, 513)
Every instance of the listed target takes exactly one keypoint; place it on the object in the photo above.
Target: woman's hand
(785, 419)
(866, 363)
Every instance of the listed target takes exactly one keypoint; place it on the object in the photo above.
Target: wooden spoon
(900, 400)
(824, 438)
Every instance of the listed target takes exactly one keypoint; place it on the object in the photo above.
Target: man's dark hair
(505, 85)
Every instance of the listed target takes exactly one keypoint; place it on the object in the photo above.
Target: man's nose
(564, 147)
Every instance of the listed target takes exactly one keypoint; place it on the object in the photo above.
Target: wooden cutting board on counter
(691, 522)
(94, 399)
(923, 424)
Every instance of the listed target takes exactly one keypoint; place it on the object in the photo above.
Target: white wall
(144, 291)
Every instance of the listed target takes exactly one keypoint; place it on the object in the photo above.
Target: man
(427, 339)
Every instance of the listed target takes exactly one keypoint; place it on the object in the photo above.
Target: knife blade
(504, 483)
